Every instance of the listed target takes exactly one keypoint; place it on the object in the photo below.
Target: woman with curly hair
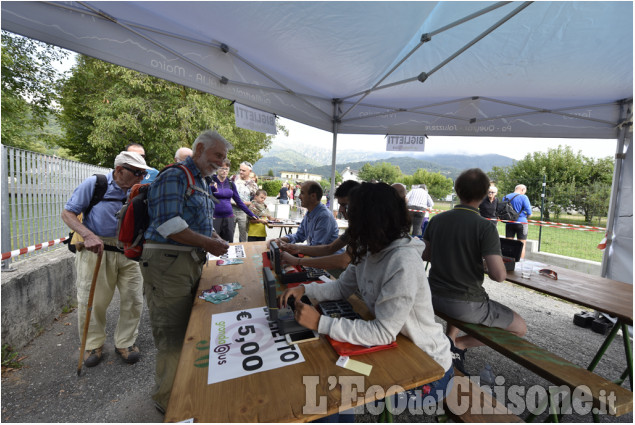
(387, 270)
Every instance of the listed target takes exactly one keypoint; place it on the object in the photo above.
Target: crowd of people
(381, 256)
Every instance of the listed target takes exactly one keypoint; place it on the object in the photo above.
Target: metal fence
(35, 188)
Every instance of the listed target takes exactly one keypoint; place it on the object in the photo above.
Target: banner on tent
(254, 119)
(405, 143)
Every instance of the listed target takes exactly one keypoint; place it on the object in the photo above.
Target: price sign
(245, 342)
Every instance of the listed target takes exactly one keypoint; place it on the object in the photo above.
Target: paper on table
(354, 365)
(234, 251)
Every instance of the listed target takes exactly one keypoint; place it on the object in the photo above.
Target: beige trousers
(116, 271)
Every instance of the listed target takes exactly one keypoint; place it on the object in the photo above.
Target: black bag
(505, 210)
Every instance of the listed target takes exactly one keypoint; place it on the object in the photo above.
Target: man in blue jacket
(521, 204)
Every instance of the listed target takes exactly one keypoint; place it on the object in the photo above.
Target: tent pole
(617, 173)
(335, 121)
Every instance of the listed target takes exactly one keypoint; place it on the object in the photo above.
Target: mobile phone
(302, 336)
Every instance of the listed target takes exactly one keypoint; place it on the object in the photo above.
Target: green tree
(338, 177)
(568, 177)
(438, 185)
(30, 83)
(106, 106)
(382, 172)
(326, 187)
(270, 173)
(272, 187)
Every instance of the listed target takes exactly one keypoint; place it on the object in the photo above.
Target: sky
(515, 148)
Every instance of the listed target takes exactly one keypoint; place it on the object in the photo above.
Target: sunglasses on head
(137, 173)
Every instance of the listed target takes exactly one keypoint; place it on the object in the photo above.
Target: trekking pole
(89, 309)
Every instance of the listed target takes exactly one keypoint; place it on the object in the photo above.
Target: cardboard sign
(254, 119)
(245, 342)
(405, 143)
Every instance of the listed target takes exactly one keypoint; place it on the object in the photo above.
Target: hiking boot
(458, 357)
(129, 355)
(92, 357)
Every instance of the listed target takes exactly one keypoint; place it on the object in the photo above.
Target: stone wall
(35, 294)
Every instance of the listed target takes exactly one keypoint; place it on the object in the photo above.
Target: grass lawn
(568, 242)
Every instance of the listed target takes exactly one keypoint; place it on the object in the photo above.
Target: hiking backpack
(505, 210)
(99, 193)
(133, 219)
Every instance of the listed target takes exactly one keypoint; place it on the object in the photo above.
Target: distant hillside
(406, 165)
(318, 161)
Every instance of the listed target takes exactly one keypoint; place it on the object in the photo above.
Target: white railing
(35, 188)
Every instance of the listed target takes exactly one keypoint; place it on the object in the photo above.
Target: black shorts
(517, 229)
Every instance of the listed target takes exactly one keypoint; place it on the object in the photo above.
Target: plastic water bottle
(487, 378)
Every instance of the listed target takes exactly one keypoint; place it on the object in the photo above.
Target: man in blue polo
(520, 203)
(99, 231)
(318, 226)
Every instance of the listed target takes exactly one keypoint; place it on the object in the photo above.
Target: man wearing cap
(99, 231)
(246, 188)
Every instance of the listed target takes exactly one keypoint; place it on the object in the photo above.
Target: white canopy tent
(532, 69)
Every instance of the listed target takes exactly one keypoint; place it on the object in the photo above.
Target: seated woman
(387, 269)
(225, 190)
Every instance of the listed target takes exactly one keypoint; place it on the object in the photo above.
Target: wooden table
(278, 395)
(599, 293)
(287, 227)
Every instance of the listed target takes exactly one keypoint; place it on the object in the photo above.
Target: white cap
(131, 158)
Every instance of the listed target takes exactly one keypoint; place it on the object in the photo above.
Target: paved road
(47, 389)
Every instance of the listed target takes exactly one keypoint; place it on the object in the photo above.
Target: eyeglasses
(548, 273)
(223, 169)
(492, 193)
(137, 173)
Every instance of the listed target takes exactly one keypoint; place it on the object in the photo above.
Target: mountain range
(317, 160)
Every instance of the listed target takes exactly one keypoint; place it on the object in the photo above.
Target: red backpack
(133, 219)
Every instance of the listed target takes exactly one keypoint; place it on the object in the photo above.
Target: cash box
(511, 250)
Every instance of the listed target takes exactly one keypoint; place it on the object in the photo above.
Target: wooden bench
(467, 402)
(549, 366)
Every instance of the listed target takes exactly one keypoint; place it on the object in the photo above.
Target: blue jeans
(430, 393)
(435, 391)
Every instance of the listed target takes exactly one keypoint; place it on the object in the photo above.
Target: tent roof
(541, 69)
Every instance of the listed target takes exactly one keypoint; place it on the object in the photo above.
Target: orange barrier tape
(15, 253)
(537, 223)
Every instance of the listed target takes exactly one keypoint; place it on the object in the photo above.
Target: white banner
(405, 143)
(254, 119)
(246, 342)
